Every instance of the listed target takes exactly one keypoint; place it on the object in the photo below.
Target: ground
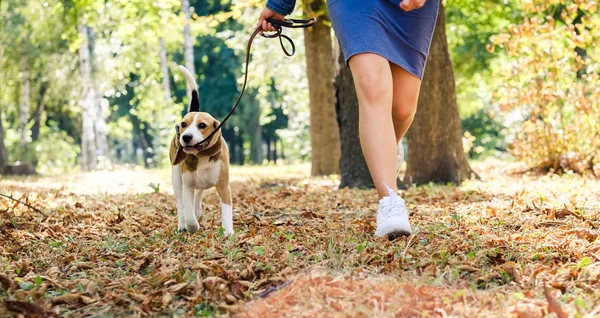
(107, 245)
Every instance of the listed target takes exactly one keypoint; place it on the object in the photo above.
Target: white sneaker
(399, 158)
(392, 217)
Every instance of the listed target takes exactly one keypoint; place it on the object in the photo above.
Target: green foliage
(470, 24)
(487, 133)
(547, 82)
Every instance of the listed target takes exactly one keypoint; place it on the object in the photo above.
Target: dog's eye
(183, 125)
(202, 126)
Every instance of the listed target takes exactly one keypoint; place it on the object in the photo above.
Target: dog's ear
(176, 154)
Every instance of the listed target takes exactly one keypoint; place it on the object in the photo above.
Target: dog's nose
(187, 138)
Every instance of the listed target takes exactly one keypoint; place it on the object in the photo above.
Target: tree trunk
(165, 71)
(436, 134)
(325, 138)
(101, 132)
(3, 152)
(256, 152)
(188, 45)
(354, 170)
(25, 93)
(37, 117)
(88, 138)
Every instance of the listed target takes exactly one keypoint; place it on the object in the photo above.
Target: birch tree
(165, 71)
(88, 138)
(25, 93)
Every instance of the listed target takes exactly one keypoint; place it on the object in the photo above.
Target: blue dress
(380, 27)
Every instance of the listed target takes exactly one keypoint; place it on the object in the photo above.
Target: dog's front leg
(191, 224)
(226, 210)
(198, 203)
(177, 188)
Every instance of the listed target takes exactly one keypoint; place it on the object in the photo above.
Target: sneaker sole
(396, 234)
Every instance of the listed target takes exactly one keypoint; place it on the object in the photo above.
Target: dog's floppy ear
(176, 154)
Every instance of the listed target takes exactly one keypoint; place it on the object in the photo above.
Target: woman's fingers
(408, 5)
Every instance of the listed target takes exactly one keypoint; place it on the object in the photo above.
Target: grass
(302, 248)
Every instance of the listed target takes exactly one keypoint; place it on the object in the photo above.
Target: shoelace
(393, 208)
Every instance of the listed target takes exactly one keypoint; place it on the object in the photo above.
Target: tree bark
(25, 93)
(354, 170)
(88, 138)
(325, 138)
(100, 127)
(165, 71)
(188, 45)
(37, 116)
(256, 152)
(435, 136)
(3, 152)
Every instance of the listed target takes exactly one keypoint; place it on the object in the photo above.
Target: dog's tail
(195, 102)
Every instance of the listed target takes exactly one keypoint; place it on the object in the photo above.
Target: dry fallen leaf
(554, 305)
(25, 308)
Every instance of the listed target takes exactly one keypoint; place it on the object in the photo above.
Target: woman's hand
(268, 13)
(408, 5)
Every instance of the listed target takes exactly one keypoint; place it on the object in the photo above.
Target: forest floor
(107, 245)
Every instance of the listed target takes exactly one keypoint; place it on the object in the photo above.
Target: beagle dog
(198, 167)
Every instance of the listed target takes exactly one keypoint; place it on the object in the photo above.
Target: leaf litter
(511, 245)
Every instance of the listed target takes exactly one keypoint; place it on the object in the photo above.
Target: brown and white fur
(196, 170)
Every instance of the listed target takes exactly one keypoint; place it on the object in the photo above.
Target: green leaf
(361, 247)
(585, 262)
(26, 285)
(38, 281)
(260, 250)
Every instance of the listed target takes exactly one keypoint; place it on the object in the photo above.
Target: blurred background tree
(90, 83)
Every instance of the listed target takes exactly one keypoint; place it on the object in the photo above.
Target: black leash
(278, 25)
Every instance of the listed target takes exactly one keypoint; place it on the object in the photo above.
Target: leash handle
(293, 23)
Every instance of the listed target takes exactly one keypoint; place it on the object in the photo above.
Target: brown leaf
(510, 268)
(212, 283)
(586, 234)
(137, 297)
(563, 213)
(25, 308)
(175, 289)
(78, 205)
(92, 288)
(166, 299)
(5, 282)
(71, 299)
(553, 304)
(238, 290)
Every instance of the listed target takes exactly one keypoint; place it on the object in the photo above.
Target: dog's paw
(192, 227)
(228, 231)
(180, 227)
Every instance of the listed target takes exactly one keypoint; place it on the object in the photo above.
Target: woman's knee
(373, 80)
(403, 112)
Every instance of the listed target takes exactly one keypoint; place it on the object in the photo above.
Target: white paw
(181, 227)
(228, 232)
(192, 226)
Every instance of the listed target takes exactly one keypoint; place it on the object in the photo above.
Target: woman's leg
(373, 82)
(404, 102)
